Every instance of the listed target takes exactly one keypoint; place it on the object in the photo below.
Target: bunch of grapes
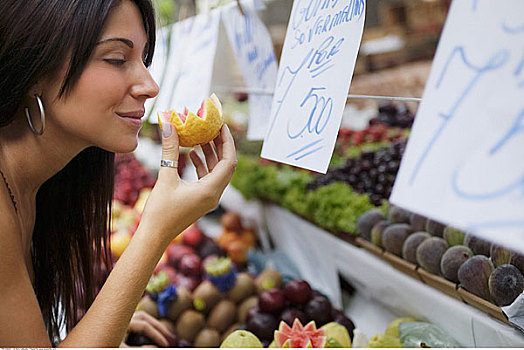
(130, 178)
(373, 172)
(393, 115)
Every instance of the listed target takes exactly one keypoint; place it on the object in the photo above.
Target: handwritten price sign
(316, 67)
(253, 49)
(464, 163)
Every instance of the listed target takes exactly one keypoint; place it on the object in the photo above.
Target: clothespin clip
(240, 8)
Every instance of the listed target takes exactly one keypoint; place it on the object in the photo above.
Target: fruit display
(395, 115)
(195, 129)
(130, 178)
(486, 270)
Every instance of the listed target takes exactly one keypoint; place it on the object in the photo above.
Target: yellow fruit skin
(338, 332)
(383, 341)
(241, 339)
(393, 327)
(196, 130)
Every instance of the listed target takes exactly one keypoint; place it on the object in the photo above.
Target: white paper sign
(318, 58)
(167, 64)
(464, 163)
(194, 81)
(253, 49)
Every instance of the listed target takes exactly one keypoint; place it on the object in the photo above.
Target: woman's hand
(174, 204)
(142, 322)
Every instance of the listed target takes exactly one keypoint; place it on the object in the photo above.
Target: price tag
(464, 163)
(316, 67)
(193, 80)
(253, 50)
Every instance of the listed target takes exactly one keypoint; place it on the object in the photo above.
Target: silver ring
(169, 163)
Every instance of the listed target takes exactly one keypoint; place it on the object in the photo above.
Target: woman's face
(105, 107)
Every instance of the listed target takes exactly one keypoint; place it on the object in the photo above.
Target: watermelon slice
(299, 336)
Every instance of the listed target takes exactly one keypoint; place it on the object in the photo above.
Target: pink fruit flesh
(201, 110)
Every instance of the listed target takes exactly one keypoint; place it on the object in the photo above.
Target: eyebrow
(125, 41)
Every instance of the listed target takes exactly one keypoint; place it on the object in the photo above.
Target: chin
(123, 147)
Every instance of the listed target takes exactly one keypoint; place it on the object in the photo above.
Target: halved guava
(299, 336)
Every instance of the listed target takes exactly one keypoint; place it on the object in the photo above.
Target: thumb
(170, 147)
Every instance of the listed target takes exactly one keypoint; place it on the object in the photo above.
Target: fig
(222, 316)
(409, 248)
(377, 231)
(453, 236)
(474, 275)
(499, 255)
(298, 292)
(366, 222)
(319, 310)
(417, 222)
(262, 325)
(451, 261)
(271, 301)
(244, 308)
(517, 260)
(506, 283)
(207, 338)
(244, 287)
(189, 325)
(206, 296)
(394, 236)
(477, 245)
(435, 228)
(397, 215)
(429, 253)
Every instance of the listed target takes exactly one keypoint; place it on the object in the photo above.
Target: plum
(190, 265)
(452, 259)
(506, 283)
(298, 292)
(366, 222)
(289, 315)
(319, 309)
(271, 301)
(262, 325)
(394, 236)
(409, 248)
(474, 275)
(429, 253)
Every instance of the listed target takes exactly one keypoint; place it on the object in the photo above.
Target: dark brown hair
(70, 239)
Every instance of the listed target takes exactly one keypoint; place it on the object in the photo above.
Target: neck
(28, 160)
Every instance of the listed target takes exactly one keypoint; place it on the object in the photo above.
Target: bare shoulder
(21, 322)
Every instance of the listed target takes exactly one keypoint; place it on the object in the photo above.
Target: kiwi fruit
(244, 287)
(148, 305)
(189, 325)
(183, 302)
(169, 325)
(206, 296)
(268, 279)
(207, 338)
(222, 316)
(231, 329)
(244, 308)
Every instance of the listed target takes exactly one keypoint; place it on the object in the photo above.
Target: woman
(73, 83)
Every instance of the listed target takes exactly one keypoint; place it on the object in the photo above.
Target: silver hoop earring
(42, 117)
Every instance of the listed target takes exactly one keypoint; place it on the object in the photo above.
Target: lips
(134, 115)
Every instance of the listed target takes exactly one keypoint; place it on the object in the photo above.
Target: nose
(145, 86)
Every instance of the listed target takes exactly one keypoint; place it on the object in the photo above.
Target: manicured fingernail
(167, 129)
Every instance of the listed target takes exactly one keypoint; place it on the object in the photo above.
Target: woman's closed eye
(115, 61)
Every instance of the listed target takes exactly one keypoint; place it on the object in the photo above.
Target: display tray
(440, 283)
(370, 247)
(402, 265)
(483, 305)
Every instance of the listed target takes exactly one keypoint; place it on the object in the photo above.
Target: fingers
(211, 157)
(170, 147)
(227, 159)
(198, 163)
(144, 323)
